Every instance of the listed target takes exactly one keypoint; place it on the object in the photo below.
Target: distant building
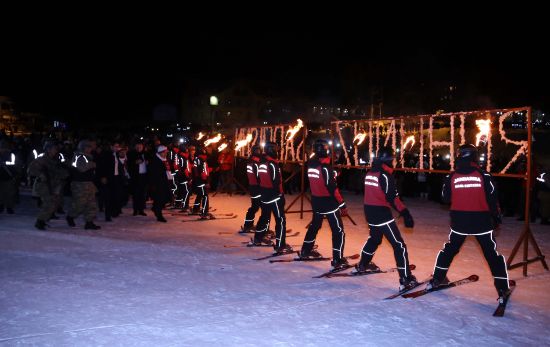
(17, 123)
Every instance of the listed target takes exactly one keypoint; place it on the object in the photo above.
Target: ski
(209, 218)
(333, 271)
(499, 312)
(355, 256)
(241, 232)
(472, 278)
(250, 231)
(276, 254)
(209, 213)
(365, 273)
(407, 289)
(187, 213)
(241, 246)
(294, 234)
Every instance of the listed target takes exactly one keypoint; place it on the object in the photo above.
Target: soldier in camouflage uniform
(50, 176)
(82, 187)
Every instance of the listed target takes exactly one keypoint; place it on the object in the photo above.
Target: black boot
(338, 264)
(434, 283)
(70, 221)
(407, 282)
(160, 217)
(40, 224)
(91, 226)
(370, 267)
(311, 254)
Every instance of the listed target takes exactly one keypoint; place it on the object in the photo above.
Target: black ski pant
(182, 194)
(496, 261)
(251, 213)
(277, 208)
(337, 228)
(391, 231)
(201, 201)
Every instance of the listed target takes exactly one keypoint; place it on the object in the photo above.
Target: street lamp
(213, 103)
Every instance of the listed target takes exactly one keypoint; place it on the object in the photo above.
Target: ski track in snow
(142, 283)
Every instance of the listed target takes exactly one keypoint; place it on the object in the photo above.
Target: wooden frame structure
(377, 139)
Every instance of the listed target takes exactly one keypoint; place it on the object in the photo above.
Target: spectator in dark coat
(159, 176)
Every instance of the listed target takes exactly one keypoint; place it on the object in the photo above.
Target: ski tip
(412, 267)
(473, 278)
(355, 256)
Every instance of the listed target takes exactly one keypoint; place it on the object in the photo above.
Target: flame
(240, 144)
(200, 136)
(213, 140)
(484, 126)
(222, 147)
(411, 140)
(294, 130)
(360, 138)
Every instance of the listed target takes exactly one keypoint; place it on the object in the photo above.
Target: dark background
(91, 78)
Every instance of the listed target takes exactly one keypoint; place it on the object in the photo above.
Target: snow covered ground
(137, 282)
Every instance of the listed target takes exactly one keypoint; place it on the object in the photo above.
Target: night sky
(127, 77)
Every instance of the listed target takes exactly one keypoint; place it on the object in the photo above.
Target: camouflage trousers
(49, 206)
(83, 200)
(8, 193)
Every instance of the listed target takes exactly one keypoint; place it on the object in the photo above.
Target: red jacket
(381, 194)
(271, 183)
(325, 196)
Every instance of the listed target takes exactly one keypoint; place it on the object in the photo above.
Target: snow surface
(138, 282)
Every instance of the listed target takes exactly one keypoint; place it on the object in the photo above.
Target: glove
(407, 218)
(343, 211)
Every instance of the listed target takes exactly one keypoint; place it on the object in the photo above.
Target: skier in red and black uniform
(200, 178)
(380, 196)
(474, 211)
(272, 200)
(253, 187)
(182, 178)
(326, 201)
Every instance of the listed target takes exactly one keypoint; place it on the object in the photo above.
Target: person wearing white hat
(159, 176)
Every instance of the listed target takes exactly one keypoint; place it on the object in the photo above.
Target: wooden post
(527, 235)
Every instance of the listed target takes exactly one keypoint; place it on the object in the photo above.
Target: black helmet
(271, 149)
(385, 155)
(468, 151)
(320, 147)
(256, 151)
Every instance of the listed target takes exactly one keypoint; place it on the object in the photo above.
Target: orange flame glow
(294, 130)
(213, 140)
(240, 144)
(360, 138)
(200, 136)
(409, 139)
(484, 126)
(222, 147)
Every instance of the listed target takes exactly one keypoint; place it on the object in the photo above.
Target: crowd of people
(89, 175)
(103, 176)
